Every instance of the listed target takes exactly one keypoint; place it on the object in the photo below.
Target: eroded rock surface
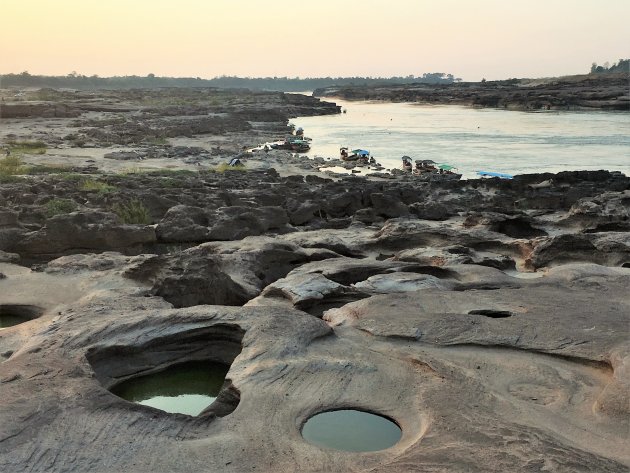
(470, 369)
(489, 319)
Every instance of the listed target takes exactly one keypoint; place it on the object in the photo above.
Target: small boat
(500, 175)
(425, 165)
(406, 164)
(298, 144)
(354, 155)
(293, 143)
(430, 170)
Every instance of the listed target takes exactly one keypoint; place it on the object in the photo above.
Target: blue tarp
(361, 152)
(495, 174)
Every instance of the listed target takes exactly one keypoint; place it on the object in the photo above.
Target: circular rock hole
(15, 314)
(351, 430)
(494, 314)
(183, 372)
(185, 388)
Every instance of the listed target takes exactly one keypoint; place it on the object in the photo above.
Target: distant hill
(282, 84)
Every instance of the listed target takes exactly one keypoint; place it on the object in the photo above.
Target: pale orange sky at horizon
(495, 39)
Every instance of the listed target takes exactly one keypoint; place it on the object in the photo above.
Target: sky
(471, 39)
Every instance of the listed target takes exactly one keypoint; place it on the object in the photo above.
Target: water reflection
(9, 320)
(351, 430)
(186, 388)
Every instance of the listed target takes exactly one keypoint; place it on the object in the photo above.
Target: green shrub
(157, 140)
(226, 167)
(131, 170)
(90, 185)
(27, 147)
(59, 206)
(46, 169)
(133, 212)
(10, 166)
(8, 179)
(172, 172)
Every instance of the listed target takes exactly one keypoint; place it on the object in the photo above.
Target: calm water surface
(186, 388)
(475, 139)
(8, 320)
(351, 430)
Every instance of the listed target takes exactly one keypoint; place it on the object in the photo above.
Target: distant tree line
(283, 84)
(622, 66)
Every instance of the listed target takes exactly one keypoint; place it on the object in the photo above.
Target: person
(235, 162)
(266, 148)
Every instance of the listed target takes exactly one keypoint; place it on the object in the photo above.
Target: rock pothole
(15, 314)
(184, 373)
(351, 430)
(492, 313)
(186, 388)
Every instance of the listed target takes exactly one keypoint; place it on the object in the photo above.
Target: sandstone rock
(217, 273)
(81, 231)
(9, 257)
(401, 282)
(388, 206)
(307, 290)
(183, 223)
(123, 155)
(431, 211)
(234, 223)
(610, 249)
(609, 211)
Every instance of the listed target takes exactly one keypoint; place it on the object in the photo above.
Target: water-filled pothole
(492, 313)
(191, 364)
(15, 314)
(351, 430)
(186, 388)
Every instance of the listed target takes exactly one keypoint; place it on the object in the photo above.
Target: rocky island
(581, 92)
(487, 318)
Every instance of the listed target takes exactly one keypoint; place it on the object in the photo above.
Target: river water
(475, 139)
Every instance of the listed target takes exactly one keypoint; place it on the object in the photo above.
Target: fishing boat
(354, 155)
(298, 144)
(293, 143)
(406, 164)
(429, 169)
(425, 165)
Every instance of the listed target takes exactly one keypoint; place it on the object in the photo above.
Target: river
(475, 139)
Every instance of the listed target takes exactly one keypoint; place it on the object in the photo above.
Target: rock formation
(489, 319)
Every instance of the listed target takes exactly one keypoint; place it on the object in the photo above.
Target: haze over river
(475, 139)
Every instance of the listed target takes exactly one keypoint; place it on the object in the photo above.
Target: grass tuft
(59, 206)
(221, 168)
(11, 166)
(90, 185)
(132, 212)
(26, 147)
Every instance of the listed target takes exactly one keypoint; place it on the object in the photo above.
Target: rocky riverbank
(591, 92)
(488, 318)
